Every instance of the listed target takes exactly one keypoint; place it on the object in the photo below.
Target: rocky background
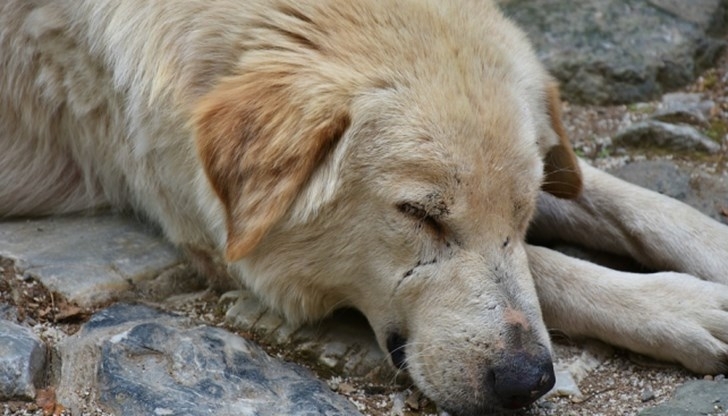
(99, 316)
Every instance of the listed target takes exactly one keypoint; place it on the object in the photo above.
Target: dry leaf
(46, 400)
(67, 312)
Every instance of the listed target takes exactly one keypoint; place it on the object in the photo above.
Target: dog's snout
(522, 378)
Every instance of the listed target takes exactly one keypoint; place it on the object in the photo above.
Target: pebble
(398, 404)
(22, 361)
(565, 385)
(413, 400)
(647, 395)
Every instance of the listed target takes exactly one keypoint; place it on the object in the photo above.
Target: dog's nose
(522, 378)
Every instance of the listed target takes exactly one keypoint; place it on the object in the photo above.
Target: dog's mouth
(396, 345)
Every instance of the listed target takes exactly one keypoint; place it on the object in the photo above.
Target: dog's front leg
(669, 316)
(616, 216)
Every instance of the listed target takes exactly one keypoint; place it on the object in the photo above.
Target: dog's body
(385, 156)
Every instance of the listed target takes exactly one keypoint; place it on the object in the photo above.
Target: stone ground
(99, 316)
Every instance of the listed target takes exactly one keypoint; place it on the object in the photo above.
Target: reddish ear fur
(259, 137)
(562, 174)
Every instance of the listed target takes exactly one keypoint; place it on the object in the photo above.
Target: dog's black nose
(522, 378)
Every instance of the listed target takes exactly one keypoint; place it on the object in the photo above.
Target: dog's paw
(681, 318)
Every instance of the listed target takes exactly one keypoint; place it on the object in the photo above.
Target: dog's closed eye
(420, 214)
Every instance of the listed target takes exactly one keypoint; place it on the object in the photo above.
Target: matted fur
(381, 155)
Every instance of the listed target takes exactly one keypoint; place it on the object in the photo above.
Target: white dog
(382, 155)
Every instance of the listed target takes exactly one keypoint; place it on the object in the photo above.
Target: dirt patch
(34, 304)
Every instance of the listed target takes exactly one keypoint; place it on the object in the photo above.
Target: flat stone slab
(22, 361)
(133, 359)
(86, 259)
(621, 51)
(695, 398)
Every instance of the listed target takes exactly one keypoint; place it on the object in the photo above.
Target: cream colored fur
(381, 155)
(672, 316)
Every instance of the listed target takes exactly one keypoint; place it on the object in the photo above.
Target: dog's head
(389, 159)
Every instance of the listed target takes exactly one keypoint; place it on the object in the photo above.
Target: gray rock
(22, 361)
(87, 259)
(647, 395)
(685, 108)
(695, 398)
(132, 359)
(8, 312)
(619, 51)
(707, 193)
(653, 133)
(573, 370)
(565, 385)
(683, 115)
(698, 12)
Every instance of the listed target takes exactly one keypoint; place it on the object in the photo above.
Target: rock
(694, 398)
(398, 401)
(89, 260)
(570, 372)
(647, 395)
(565, 385)
(681, 116)
(344, 342)
(138, 360)
(8, 312)
(621, 51)
(697, 12)
(707, 193)
(665, 136)
(685, 108)
(22, 362)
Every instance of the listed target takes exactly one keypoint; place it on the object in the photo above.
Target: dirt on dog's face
(395, 169)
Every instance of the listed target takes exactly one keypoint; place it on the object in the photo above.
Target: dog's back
(39, 174)
(93, 99)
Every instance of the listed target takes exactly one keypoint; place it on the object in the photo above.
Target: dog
(386, 156)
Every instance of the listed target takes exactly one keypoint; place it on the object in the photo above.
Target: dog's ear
(562, 174)
(260, 136)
